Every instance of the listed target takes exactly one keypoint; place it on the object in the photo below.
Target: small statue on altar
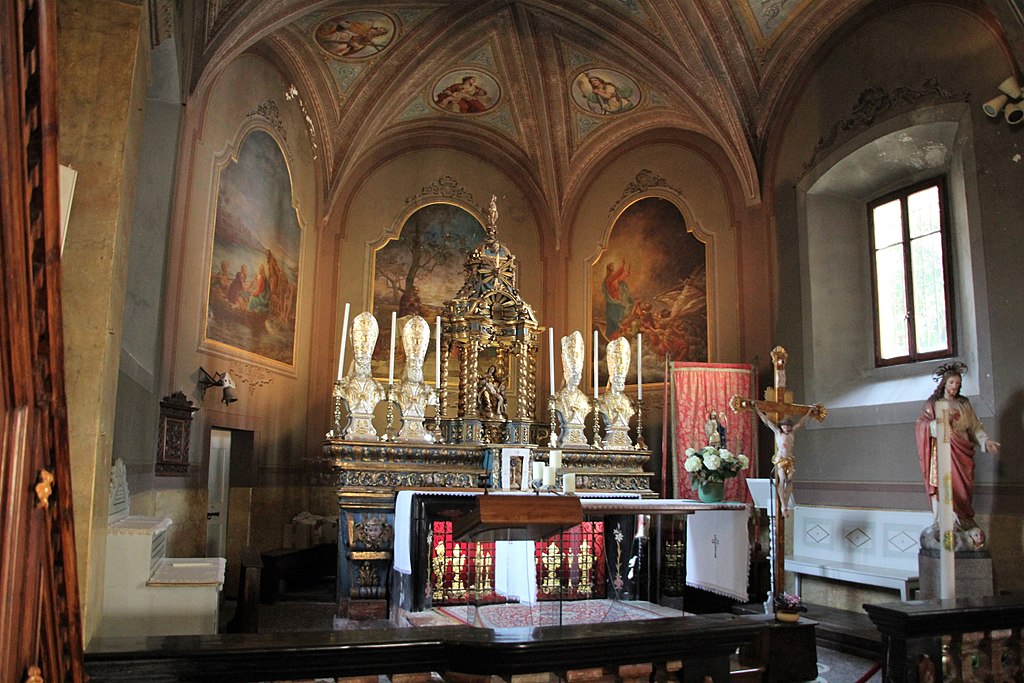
(615, 407)
(412, 393)
(572, 405)
(492, 394)
(712, 430)
(360, 391)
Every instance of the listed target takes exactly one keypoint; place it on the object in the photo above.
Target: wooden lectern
(517, 518)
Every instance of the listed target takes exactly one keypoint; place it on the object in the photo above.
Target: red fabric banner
(697, 389)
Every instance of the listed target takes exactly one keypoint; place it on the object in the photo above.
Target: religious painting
(604, 91)
(466, 91)
(419, 271)
(651, 278)
(255, 259)
(356, 35)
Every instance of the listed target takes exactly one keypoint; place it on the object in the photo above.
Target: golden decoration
(44, 489)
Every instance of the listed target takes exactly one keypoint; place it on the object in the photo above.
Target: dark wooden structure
(934, 633)
(702, 643)
(39, 607)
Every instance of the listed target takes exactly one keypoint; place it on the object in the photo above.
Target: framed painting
(651, 278)
(254, 271)
(419, 271)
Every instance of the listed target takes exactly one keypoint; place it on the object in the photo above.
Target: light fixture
(1009, 102)
(218, 379)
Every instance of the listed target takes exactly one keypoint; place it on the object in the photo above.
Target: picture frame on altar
(651, 278)
(256, 242)
(417, 272)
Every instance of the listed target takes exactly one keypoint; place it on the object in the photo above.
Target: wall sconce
(218, 380)
(1013, 111)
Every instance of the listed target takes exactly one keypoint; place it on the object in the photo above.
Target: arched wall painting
(651, 279)
(418, 272)
(256, 245)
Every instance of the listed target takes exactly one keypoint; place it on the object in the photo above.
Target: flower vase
(711, 491)
(790, 617)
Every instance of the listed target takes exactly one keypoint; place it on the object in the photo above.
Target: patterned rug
(549, 614)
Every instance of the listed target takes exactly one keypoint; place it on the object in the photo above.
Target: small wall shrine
(475, 430)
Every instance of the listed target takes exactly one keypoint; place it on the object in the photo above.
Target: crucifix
(783, 417)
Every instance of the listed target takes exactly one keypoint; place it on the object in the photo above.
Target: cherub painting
(356, 35)
(651, 278)
(467, 91)
(603, 91)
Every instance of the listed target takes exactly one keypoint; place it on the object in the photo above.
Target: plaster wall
(867, 457)
(271, 396)
(103, 57)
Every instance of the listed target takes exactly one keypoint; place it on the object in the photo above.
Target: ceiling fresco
(537, 78)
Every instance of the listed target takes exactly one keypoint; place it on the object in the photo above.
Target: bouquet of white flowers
(713, 464)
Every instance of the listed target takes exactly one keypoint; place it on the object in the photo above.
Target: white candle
(549, 476)
(639, 366)
(555, 459)
(344, 340)
(538, 470)
(391, 356)
(551, 360)
(569, 482)
(595, 365)
(437, 351)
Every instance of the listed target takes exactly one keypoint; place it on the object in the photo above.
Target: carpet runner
(549, 614)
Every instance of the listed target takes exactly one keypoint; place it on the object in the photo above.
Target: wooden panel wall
(39, 607)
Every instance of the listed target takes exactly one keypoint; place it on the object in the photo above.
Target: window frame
(902, 194)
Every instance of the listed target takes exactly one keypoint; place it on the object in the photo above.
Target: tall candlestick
(391, 356)
(344, 339)
(595, 365)
(551, 360)
(639, 366)
(437, 352)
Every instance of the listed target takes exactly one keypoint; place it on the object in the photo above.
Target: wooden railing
(684, 648)
(970, 639)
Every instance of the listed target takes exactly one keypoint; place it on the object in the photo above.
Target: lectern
(517, 518)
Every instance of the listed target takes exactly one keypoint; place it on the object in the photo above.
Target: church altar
(490, 439)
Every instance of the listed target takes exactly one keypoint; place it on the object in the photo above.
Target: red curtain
(699, 388)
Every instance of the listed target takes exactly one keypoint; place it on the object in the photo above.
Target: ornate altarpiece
(489, 324)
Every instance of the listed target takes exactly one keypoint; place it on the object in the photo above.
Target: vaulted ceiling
(374, 75)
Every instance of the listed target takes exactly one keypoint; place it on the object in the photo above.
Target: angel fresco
(601, 91)
(356, 35)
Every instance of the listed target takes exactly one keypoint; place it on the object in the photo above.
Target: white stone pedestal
(973, 574)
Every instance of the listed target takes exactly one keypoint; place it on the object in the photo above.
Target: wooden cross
(778, 406)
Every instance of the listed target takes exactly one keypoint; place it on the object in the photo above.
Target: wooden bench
(869, 547)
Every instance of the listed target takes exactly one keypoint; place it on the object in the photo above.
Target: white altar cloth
(718, 552)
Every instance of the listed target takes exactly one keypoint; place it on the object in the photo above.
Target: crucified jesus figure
(783, 458)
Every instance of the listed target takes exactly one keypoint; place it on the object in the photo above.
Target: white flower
(712, 461)
(689, 452)
(692, 464)
(744, 461)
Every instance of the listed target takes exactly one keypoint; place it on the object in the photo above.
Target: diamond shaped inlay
(903, 541)
(817, 533)
(857, 537)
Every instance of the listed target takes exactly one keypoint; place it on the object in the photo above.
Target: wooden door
(40, 620)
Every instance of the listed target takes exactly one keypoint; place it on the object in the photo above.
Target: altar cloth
(718, 552)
